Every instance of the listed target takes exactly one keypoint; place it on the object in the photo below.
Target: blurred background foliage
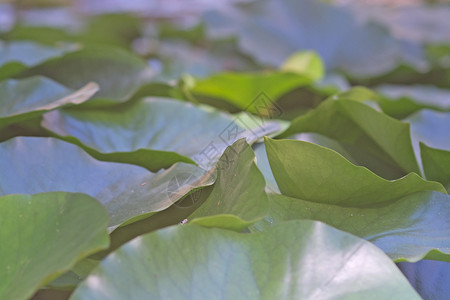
(384, 45)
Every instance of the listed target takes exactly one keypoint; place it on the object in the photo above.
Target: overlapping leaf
(299, 259)
(43, 236)
(328, 187)
(310, 172)
(382, 143)
(298, 70)
(238, 198)
(118, 73)
(24, 99)
(248, 86)
(411, 228)
(36, 165)
(156, 133)
(19, 55)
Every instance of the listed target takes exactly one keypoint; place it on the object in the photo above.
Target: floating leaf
(156, 133)
(17, 56)
(43, 236)
(411, 228)
(31, 97)
(293, 260)
(254, 92)
(386, 141)
(310, 172)
(238, 198)
(27, 53)
(36, 165)
(118, 72)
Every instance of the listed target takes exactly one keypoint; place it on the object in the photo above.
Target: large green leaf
(31, 97)
(118, 72)
(250, 91)
(43, 236)
(156, 133)
(36, 165)
(350, 153)
(385, 140)
(310, 172)
(233, 202)
(411, 228)
(293, 260)
(17, 56)
(238, 198)
(326, 142)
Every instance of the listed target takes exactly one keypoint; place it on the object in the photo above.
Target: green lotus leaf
(31, 97)
(118, 72)
(411, 228)
(146, 133)
(43, 236)
(310, 172)
(292, 260)
(254, 92)
(238, 198)
(383, 143)
(38, 165)
(19, 55)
